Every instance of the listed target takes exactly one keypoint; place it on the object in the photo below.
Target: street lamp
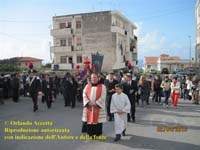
(189, 50)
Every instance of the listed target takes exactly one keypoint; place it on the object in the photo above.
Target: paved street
(140, 135)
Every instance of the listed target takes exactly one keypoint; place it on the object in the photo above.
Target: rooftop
(24, 59)
(151, 60)
(114, 12)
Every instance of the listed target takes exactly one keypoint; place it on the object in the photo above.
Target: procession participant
(94, 115)
(144, 90)
(74, 91)
(110, 87)
(157, 89)
(47, 90)
(67, 88)
(130, 88)
(15, 84)
(120, 106)
(165, 85)
(175, 92)
(34, 86)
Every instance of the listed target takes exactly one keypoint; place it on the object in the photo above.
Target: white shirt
(120, 103)
(189, 84)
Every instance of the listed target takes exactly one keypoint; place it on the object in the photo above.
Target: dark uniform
(110, 87)
(131, 95)
(15, 83)
(74, 92)
(67, 90)
(34, 86)
(6, 87)
(47, 90)
(24, 85)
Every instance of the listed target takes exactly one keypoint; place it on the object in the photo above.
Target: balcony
(61, 49)
(65, 66)
(133, 50)
(117, 29)
(78, 48)
(77, 31)
(61, 32)
(123, 32)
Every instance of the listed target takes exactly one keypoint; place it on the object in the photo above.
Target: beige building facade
(197, 18)
(23, 62)
(78, 36)
(172, 63)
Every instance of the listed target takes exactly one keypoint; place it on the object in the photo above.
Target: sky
(163, 26)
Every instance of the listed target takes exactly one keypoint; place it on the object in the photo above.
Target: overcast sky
(163, 25)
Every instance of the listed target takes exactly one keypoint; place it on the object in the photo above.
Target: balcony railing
(61, 32)
(65, 66)
(57, 49)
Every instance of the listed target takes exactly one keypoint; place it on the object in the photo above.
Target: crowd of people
(111, 96)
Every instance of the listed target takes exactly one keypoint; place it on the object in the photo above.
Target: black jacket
(110, 85)
(34, 87)
(47, 87)
(128, 88)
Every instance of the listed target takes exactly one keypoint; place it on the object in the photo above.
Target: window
(62, 25)
(63, 42)
(79, 59)
(69, 41)
(69, 24)
(63, 59)
(70, 60)
(78, 41)
(78, 24)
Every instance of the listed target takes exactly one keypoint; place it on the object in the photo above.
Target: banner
(97, 61)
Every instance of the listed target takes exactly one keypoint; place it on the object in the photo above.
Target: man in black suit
(15, 83)
(130, 88)
(67, 89)
(110, 87)
(34, 86)
(47, 90)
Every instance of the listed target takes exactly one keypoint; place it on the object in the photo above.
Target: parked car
(153, 71)
(165, 71)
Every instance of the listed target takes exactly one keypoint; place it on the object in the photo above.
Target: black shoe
(123, 133)
(35, 108)
(129, 119)
(133, 119)
(117, 138)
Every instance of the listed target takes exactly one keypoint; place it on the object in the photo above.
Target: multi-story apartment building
(78, 36)
(197, 16)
